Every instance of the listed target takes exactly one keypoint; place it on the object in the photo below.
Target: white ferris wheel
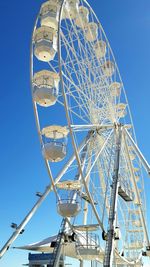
(87, 138)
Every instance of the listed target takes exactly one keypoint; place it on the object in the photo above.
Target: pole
(81, 263)
(109, 250)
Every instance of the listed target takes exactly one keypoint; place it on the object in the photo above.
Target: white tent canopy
(69, 249)
(41, 246)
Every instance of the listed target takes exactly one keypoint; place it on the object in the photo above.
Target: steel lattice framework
(102, 154)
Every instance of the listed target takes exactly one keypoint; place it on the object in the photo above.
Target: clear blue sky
(127, 25)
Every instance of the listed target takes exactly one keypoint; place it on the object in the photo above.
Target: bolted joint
(144, 253)
(14, 225)
(104, 236)
(148, 248)
(22, 231)
(39, 194)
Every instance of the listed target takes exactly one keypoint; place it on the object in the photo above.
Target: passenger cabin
(108, 68)
(45, 43)
(115, 89)
(45, 87)
(137, 230)
(49, 14)
(131, 152)
(133, 213)
(68, 207)
(137, 178)
(121, 110)
(83, 17)
(100, 49)
(54, 143)
(69, 202)
(136, 170)
(124, 190)
(71, 9)
(137, 223)
(91, 32)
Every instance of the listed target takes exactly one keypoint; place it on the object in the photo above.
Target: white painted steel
(138, 198)
(94, 100)
(74, 72)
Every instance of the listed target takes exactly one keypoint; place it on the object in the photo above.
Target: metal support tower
(109, 249)
(59, 242)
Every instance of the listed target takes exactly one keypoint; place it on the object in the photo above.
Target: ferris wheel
(85, 127)
(87, 136)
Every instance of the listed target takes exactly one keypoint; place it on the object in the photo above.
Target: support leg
(81, 263)
(109, 250)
